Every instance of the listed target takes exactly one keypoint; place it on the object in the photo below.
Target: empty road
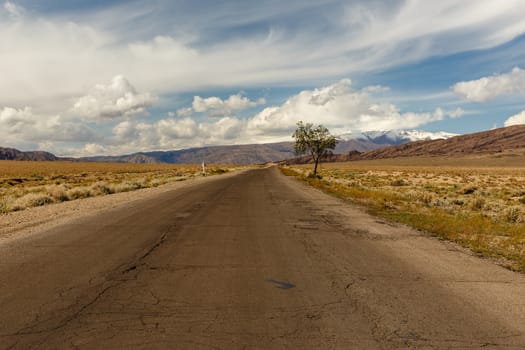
(251, 261)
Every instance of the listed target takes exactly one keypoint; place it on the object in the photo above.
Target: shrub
(79, 192)
(311, 175)
(458, 202)
(478, 203)
(426, 198)
(31, 200)
(4, 207)
(512, 214)
(101, 187)
(469, 190)
(398, 182)
(218, 171)
(58, 193)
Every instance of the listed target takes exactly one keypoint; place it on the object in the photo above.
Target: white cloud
(457, 113)
(337, 106)
(92, 149)
(376, 89)
(115, 100)
(341, 108)
(185, 112)
(488, 88)
(14, 11)
(172, 133)
(24, 127)
(218, 107)
(77, 49)
(516, 119)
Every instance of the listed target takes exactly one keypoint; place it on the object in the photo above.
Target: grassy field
(476, 202)
(30, 184)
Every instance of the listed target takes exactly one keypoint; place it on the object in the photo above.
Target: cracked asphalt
(252, 261)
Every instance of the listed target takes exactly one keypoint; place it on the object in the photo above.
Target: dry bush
(31, 200)
(478, 203)
(58, 192)
(51, 182)
(513, 215)
(79, 192)
(101, 188)
(398, 182)
(426, 198)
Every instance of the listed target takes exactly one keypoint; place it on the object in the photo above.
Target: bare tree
(318, 142)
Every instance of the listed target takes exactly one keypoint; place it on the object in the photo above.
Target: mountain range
(14, 154)
(492, 141)
(365, 145)
(240, 154)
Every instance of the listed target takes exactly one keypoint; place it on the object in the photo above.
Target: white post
(203, 168)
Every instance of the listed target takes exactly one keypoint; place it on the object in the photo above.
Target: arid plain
(475, 201)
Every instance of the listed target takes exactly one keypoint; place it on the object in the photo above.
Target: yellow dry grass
(28, 184)
(476, 202)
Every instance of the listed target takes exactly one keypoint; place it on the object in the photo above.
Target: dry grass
(479, 204)
(30, 184)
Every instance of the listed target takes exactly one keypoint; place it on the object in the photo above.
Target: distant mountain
(14, 154)
(492, 141)
(242, 154)
(236, 154)
(269, 152)
(495, 141)
(396, 137)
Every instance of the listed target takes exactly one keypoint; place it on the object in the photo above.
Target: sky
(84, 77)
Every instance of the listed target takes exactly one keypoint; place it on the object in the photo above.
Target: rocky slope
(492, 141)
(14, 154)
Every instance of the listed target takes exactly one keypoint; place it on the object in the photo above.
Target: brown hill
(492, 141)
(14, 154)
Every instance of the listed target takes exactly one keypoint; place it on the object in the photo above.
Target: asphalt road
(252, 261)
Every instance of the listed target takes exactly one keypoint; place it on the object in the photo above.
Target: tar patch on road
(281, 285)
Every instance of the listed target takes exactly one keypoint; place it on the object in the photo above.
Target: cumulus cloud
(488, 88)
(218, 107)
(23, 127)
(338, 106)
(341, 108)
(516, 119)
(14, 10)
(117, 99)
(174, 133)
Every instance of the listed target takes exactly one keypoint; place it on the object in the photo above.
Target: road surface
(252, 261)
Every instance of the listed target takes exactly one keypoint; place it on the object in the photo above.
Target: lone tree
(318, 142)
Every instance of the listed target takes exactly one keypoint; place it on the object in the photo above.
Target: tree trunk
(315, 166)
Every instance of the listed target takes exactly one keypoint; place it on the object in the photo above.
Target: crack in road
(29, 330)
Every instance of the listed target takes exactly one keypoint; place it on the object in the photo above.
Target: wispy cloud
(14, 11)
(275, 46)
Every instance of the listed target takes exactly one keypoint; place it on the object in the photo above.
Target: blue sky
(113, 77)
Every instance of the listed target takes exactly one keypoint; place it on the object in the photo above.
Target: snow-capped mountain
(396, 137)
